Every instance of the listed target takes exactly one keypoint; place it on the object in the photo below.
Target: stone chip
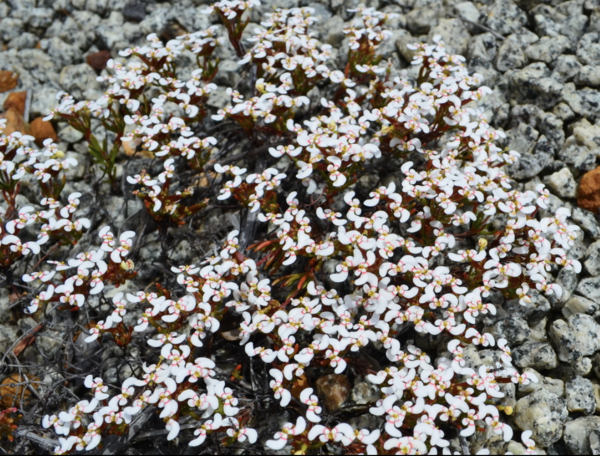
(580, 396)
(544, 413)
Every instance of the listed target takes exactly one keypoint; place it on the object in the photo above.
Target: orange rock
(8, 81)
(335, 388)
(14, 122)
(13, 390)
(16, 100)
(130, 148)
(42, 130)
(299, 385)
(588, 196)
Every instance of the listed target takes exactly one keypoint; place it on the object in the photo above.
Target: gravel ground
(542, 60)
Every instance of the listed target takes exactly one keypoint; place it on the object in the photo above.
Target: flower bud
(482, 244)
(127, 265)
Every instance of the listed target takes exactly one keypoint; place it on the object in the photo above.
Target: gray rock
(503, 16)
(334, 32)
(588, 49)
(544, 413)
(99, 7)
(513, 329)
(545, 20)
(555, 386)
(86, 19)
(577, 250)
(76, 173)
(554, 203)
(595, 21)
(69, 134)
(580, 305)
(119, 211)
(534, 311)
(577, 434)
(552, 128)
(218, 98)
(43, 101)
(62, 53)
(454, 33)
(590, 288)
(40, 18)
(482, 48)
(531, 164)
(576, 156)
(564, 112)
(10, 28)
(586, 221)
(592, 263)
(23, 41)
(365, 393)
(522, 138)
(77, 79)
(534, 84)
(527, 114)
(155, 21)
(18, 5)
(582, 366)
(547, 49)
(588, 136)
(567, 279)
(39, 65)
(229, 73)
(596, 365)
(595, 441)
(469, 11)
(566, 67)
(562, 183)
(574, 27)
(112, 36)
(420, 20)
(511, 53)
(73, 32)
(580, 396)
(491, 105)
(538, 355)
(8, 336)
(575, 338)
(585, 102)
(402, 41)
(569, 8)
(589, 75)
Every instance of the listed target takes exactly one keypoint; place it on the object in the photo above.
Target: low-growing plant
(332, 271)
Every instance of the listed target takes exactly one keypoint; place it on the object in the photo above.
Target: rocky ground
(542, 60)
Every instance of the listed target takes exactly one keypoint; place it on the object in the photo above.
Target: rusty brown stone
(299, 385)
(14, 122)
(16, 100)
(13, 390)
(335, 389)
(98, 60)
(588, 196)
(172, 30)
(42, 130)
(8, 81)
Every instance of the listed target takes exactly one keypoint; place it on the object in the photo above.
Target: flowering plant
(332, 272)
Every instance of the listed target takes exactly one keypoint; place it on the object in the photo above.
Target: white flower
(122, 250)
(280, 438)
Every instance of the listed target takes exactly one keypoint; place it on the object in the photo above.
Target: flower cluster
(338, 273)
(25, 230)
